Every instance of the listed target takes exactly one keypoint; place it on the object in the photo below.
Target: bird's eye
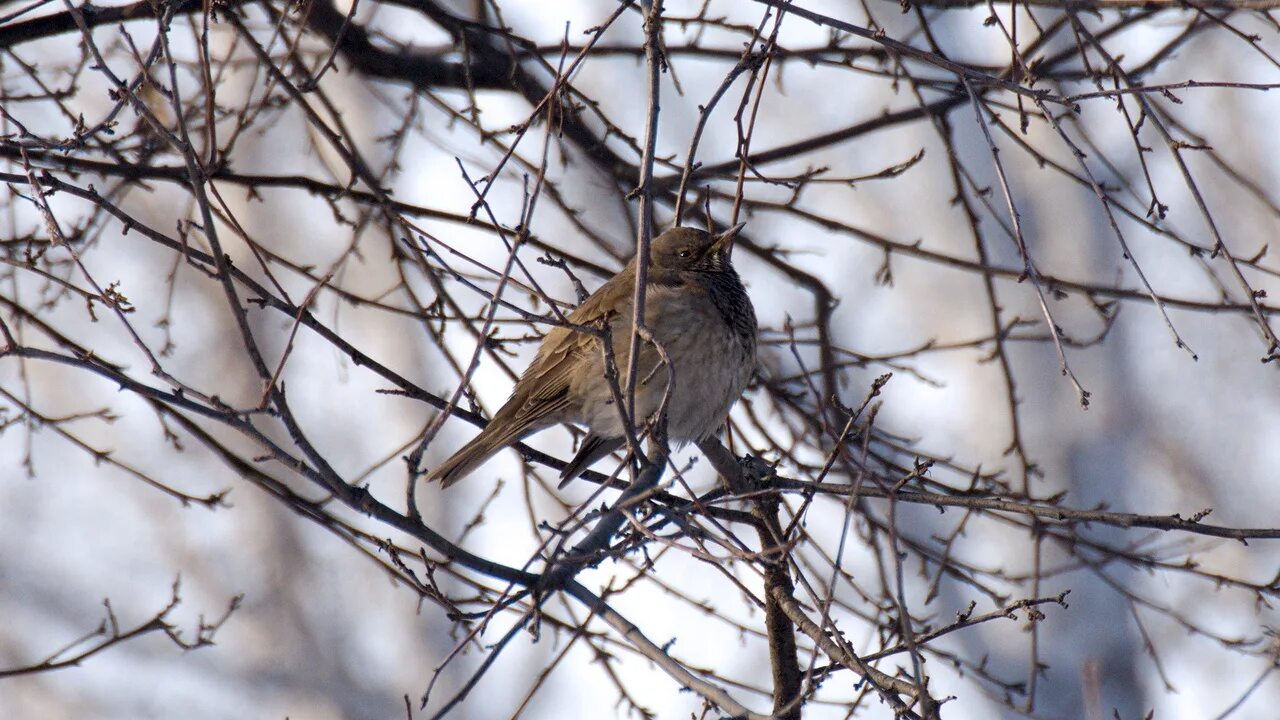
(685, 253)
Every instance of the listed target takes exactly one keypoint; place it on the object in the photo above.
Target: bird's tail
(593, 448)
(473, 455)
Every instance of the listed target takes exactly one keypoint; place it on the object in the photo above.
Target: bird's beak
(724, 243)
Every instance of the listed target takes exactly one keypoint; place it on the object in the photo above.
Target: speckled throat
(730, 298)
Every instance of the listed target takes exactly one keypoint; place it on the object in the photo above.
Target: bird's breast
(709, 334)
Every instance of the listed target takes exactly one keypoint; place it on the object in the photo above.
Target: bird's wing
(544, 386)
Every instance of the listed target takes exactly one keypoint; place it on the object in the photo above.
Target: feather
(593, 448)
(515, 421)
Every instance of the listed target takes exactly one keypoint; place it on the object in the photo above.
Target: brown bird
(695, 308)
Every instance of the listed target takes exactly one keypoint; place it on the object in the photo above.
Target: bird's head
(685, 248)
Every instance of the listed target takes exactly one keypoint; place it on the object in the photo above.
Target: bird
(696, 309)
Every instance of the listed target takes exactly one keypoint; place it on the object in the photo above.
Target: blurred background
(1045, 348)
